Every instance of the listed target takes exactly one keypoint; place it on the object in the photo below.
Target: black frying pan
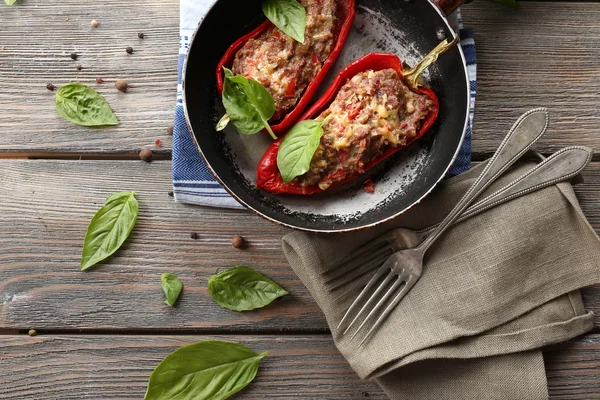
(408, 28)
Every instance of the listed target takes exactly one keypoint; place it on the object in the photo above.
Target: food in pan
(291, 71)
(369, 113)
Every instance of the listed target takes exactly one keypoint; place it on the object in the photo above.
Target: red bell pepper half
(344, 14)
(267, 174)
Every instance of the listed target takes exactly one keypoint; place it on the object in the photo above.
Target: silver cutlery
(562, 165)
(402, 269)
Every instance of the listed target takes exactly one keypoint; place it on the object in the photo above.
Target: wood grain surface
(544, 54)
(47, 204)
(307, 367)
(29, 59)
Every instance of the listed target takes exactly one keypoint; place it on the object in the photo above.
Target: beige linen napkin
(495, 288)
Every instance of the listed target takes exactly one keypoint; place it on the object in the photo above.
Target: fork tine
(362, 294)
(409, 284)
(371, 300)
(380, 304)
(348, 275)
(357, 254)
(361, 282)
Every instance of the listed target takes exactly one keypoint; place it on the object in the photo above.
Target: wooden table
(102, 332)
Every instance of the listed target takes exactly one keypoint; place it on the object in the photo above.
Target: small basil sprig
(243, 289)
(248, 104)
(298, 148)
(109, 228)
(10, 2)
(82, 105)
(208, 370)
(172, 287)
(287, 15)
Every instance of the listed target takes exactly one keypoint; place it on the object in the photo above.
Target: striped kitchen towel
(192, 181)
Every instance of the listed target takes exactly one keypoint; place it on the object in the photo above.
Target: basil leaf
(109, 228)
(206, 370)
(243, 289)
(287, 15)
(298, 148)
(248, 104)
(82, 105)
(172, 287)
(10, 2)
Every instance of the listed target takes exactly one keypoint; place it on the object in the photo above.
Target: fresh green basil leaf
(82, 105)
(287, 15)
(209, 370)
(172, 287)
(509, 3)
(298, 148)
(243, 289)
(248, 104)
(222, 124)
(109, 228)
(10, 2)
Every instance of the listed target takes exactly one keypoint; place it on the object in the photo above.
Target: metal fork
(404, 268)
(560, 166)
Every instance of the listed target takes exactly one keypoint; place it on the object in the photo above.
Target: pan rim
(335, 230)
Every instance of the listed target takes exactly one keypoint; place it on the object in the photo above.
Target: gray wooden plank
(541, 55)
(35, 45)
(118, 367)
(572, 368)
(305, 367)
(46, 206)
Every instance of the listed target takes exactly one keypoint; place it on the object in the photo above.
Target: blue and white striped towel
(192, 181)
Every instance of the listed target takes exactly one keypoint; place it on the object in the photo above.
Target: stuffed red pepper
(291, 71)
(370, 113)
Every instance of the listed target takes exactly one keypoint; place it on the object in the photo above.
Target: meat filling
(372, 112)
(284, 66)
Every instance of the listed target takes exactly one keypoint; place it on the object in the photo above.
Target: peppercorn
(194, 236)
(238, 242)
(74, 56)
(129, 50)
(79, 67)
(99, 81)
(32, 332)
(170, 193)
(146, 155)
(122, 85)
(94, 23)
(50, 87)
(158, 143)
(170, 130)
(141, 35)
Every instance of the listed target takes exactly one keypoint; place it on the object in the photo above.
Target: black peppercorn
(194, 236)
(74, 56)
(79, 67)
(99, 81)
(50, 87)
(129, 50)
(170, 193)
(141, 35)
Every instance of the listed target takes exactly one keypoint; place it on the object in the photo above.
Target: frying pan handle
(447, 6)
